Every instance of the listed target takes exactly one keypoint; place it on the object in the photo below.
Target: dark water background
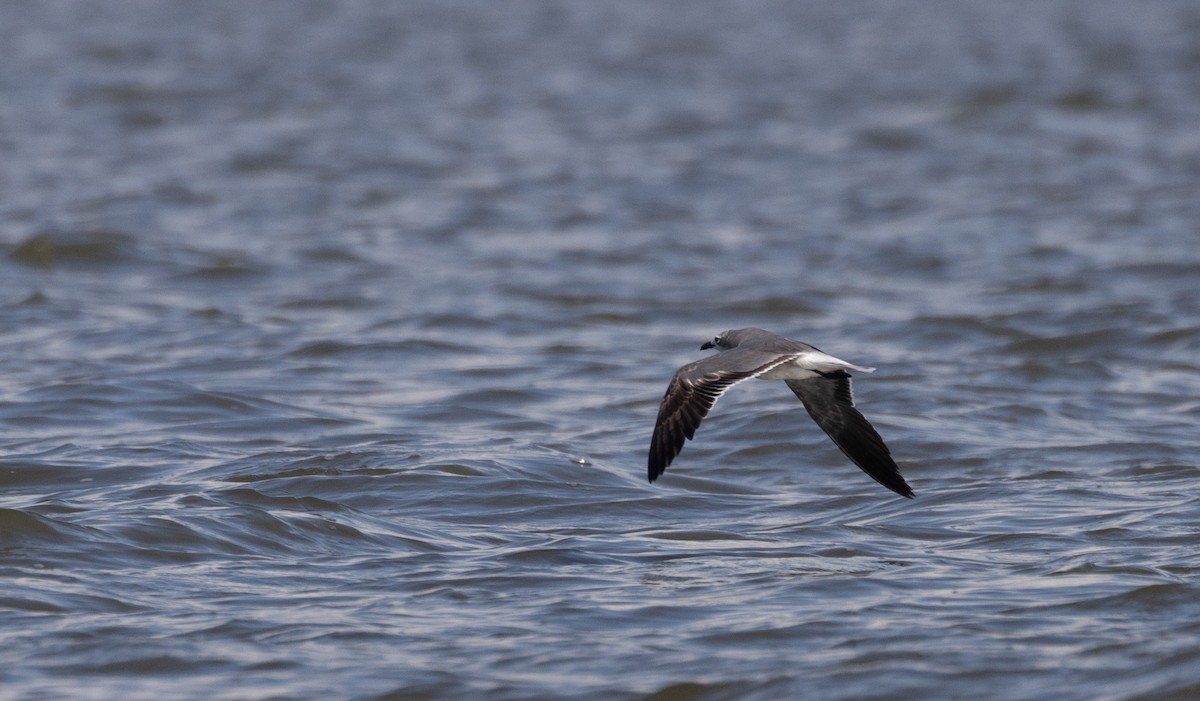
(332, 335)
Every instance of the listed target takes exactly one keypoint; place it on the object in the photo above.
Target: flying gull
(821, 381)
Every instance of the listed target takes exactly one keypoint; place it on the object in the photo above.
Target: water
(332, 335)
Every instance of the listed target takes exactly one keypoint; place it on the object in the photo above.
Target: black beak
(707, 345)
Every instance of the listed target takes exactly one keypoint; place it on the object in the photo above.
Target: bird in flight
(821, 381)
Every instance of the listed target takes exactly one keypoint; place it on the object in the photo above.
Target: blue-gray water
(332, 336)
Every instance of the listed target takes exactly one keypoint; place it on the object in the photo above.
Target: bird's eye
(716, 340)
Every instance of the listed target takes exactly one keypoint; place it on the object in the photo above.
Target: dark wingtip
(895, 482)
(654, 469)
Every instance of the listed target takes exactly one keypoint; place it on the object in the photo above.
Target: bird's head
(724, 341)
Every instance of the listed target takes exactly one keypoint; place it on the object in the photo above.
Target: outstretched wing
(692, 393)
(830, 403)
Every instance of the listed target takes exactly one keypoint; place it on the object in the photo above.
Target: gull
(821, 381)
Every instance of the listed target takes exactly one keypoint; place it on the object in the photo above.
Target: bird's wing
(692, 393)
(830, 403)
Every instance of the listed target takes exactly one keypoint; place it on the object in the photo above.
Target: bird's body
(819, 380)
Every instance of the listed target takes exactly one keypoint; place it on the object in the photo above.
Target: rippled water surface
(332, 337)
